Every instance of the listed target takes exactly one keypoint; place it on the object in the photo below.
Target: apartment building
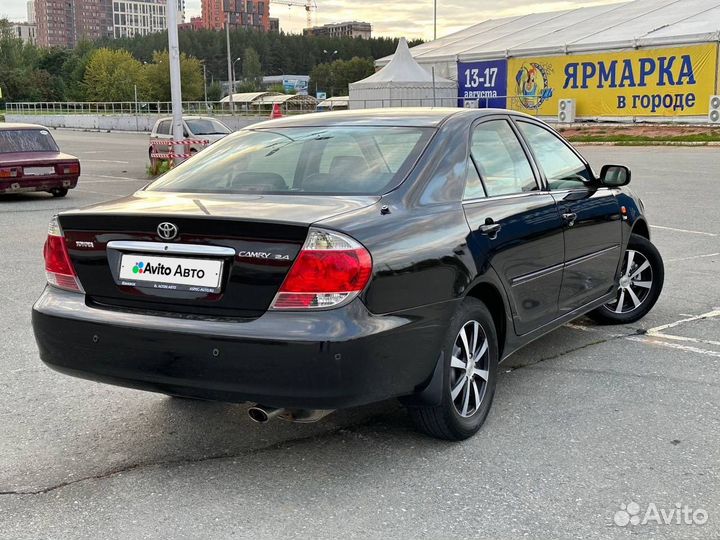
(343, 29)
(142, 17)
(240, 13)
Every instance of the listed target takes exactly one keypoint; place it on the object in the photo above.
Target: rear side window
(503, 166)
(473, 186)
(26, 140)
(363, 160)
(163, 128)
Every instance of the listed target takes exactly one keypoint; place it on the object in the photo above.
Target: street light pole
(229, 62)
(175, 89)
(137, 121)
(205, 84)
(234, 75)
(434, 19)
(329, 56)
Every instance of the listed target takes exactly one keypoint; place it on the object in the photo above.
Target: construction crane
(309, 5)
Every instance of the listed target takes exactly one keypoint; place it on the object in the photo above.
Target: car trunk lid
(249, 241)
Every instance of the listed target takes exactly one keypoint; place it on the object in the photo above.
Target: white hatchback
(199, 128)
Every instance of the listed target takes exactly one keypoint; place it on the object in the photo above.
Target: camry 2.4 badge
(263, 255)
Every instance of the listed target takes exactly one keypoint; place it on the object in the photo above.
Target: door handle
(490, 229)
(570, 218)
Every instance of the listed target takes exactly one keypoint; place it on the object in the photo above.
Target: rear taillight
(9, 172)
(58, 267)
(68, 168)
(330, 270)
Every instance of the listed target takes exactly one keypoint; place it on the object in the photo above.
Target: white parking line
(683, 230)
(105, 161)
(687, 348)
(708, 315)
(693, 257)
(580, 327)
(688, 339)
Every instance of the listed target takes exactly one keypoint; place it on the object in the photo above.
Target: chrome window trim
(508, 196)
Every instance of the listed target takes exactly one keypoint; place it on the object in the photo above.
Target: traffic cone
(276, 112)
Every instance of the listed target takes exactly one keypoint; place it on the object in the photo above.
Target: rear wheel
(470, 373)
(640, 285)
(59, 192)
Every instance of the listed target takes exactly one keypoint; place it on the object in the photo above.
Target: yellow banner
(654, 82)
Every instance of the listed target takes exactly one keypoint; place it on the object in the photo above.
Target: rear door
(515, 225)
(591, 216)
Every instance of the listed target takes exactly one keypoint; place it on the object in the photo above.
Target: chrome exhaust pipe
(262, 415)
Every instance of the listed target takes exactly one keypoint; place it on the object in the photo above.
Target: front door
(515, 226)
(591, 215)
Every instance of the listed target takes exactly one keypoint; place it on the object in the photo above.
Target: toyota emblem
(167, 231)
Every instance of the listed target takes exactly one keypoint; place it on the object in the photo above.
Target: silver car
(195, 128)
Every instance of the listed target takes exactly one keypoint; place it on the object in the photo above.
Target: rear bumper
(322, 360)
(20, 185)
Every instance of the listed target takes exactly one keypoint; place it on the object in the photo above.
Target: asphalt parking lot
(585, 421)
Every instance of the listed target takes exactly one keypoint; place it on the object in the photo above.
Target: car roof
(400, 117)
(14, 126)
(188, 117)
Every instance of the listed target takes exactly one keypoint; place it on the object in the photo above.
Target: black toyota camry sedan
(332, 260)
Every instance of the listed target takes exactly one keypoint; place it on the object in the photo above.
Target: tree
(215, 91)
(251, 67)
(112, 76)
(247, 86)
(335, 78)
(158, 77)
(73, 70)
(321, 79)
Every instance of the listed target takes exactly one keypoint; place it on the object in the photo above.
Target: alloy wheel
(469, 369)
(635, 284)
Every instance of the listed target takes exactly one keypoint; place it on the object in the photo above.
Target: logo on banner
(533, 85)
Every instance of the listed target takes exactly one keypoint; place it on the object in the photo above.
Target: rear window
(320, 160)
(207, 126)
(26, 140)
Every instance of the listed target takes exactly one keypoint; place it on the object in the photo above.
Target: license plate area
(193, 274)
(38, 171)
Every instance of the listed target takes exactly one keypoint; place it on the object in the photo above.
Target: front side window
(363, 160)
(503, 166)
(562, 167)
(26, 140)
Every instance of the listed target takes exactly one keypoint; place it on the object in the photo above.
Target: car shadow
(129, 429)
(31, 196)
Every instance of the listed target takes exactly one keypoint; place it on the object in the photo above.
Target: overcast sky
(410, 18)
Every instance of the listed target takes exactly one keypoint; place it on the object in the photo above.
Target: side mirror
(615, 175)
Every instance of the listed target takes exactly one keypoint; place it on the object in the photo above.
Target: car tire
(459, 415)
(641, 282)
(59, 192)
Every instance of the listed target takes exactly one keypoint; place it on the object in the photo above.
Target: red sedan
(30, 160)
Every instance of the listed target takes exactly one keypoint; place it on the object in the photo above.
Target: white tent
(618, 26)
(402, 83)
